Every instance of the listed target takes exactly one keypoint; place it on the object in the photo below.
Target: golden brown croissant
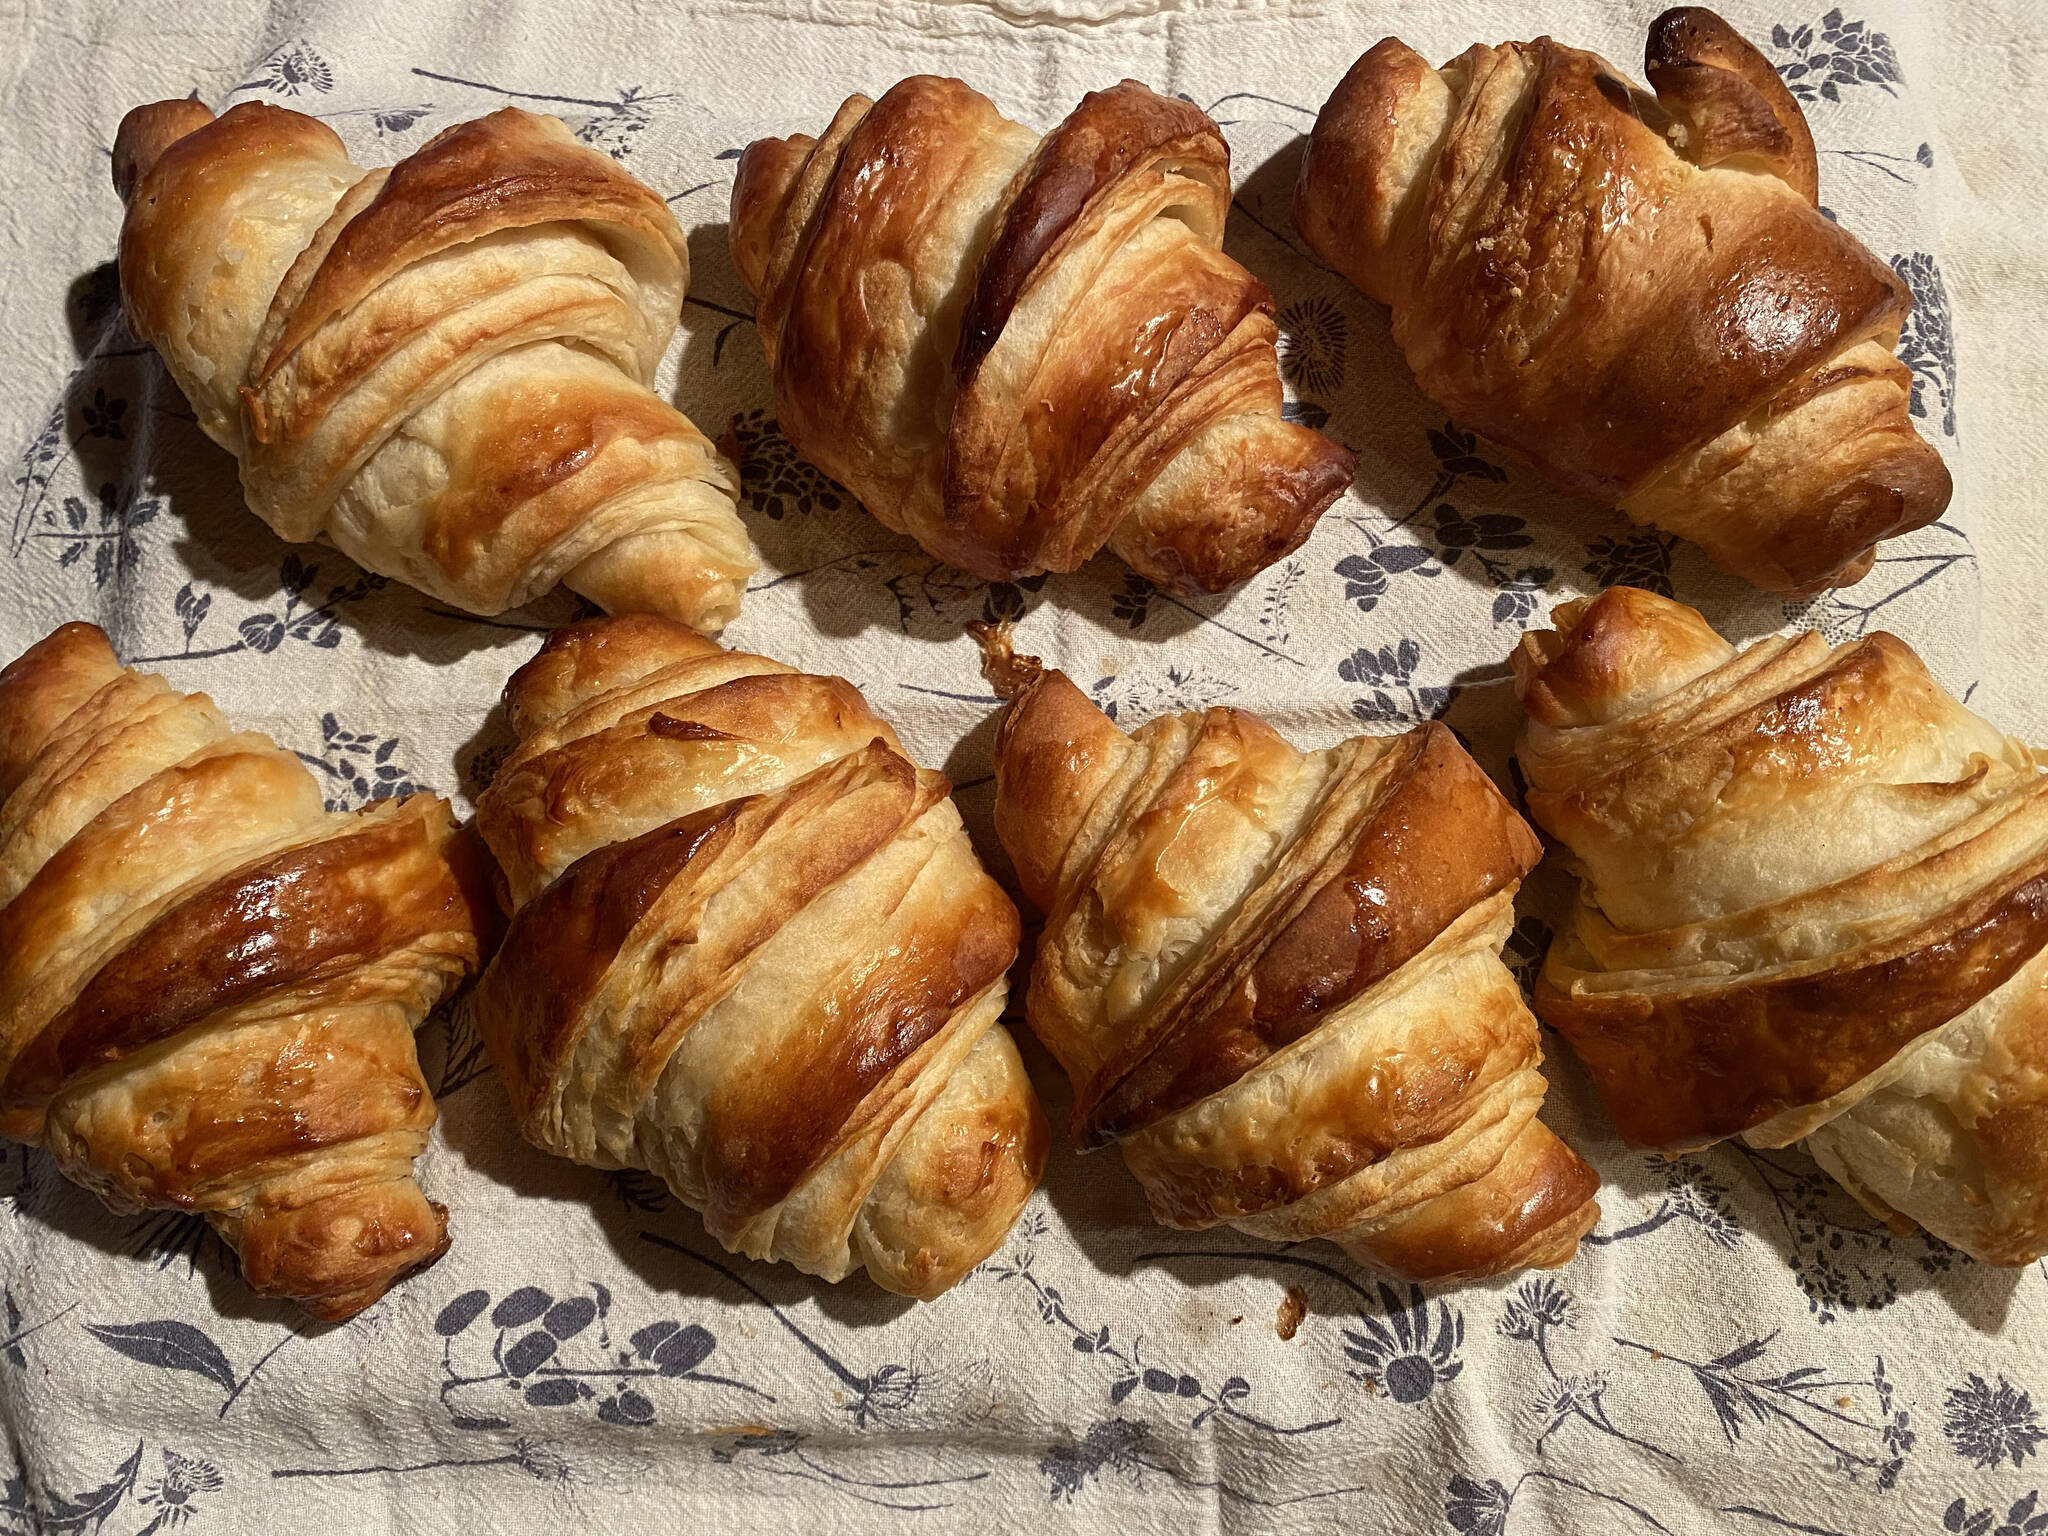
(1815, 905)
(1634, 294)
(442, 368)
(1016, 348)
(1276, 977)
(209, 983)
(754, 953)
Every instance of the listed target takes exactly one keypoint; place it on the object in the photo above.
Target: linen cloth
(1736, 1348)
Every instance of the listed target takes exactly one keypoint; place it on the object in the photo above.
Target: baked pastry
(1634, 294)
(1815, 905)
(209, 982)
(441, 368)
(1017, 349)
(1275, 978)
(753, 952)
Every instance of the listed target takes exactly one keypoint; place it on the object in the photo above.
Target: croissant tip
(146, 132)
(1007, 672)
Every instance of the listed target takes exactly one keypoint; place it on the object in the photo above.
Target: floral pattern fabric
(1737, 1348)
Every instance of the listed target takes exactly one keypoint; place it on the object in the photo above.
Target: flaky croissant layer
(1019, 349)
(1635, 294)
(753, 952)
(443, 368)
(1275, 978)
(1815, 905)
(209, 983)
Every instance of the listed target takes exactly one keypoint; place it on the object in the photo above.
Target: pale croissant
(442, 368)
(209, 982)
(1634, 294)
(753, 952)
(1017, 349)
(1815, 905)
(1275, 977)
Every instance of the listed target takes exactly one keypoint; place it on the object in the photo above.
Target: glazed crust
(1815, 905)
(209, 983)
(443, 368)
(1634, 294)
(1275, 978)
(1019, 349)
(753, 952)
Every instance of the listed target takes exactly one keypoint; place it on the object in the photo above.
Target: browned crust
(307, 916)
(1017, 487)
(1603, 649)
(1408, 1100)
(1683, 1068)
(769, 1138)
(1531, 1209)
(1293, 485)
(1730, 97)
(1832, 540)
(2013, 1133)
(533, 443)
(336, 1256)
(531, 1002)
(507, 170)
(581, 660)
(325, 923)
(762, 183)
(1101, 139)
(1768, 310)
(1600, 321)
(1438, 839)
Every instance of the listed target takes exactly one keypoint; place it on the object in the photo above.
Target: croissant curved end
(1365, 162)
(761, 188)
(1732, 102)
(1606, 654)
(146, 132)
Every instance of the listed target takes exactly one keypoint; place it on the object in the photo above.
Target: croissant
(442, 368)
(1276, 977)
(1017, 349)
(209, 983)
(753, 953)
(1815, 905)
(1634, 294)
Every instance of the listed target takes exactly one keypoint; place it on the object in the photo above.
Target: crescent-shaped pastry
(753, 952)
(1018, 349)
(442, 368)
(1815, 904)
(1275, 978)
(1634, 294)
(209, 983)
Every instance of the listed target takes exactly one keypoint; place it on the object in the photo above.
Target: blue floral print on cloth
(1738, 1347)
